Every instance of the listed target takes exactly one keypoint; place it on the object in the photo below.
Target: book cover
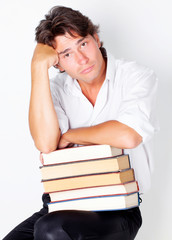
(115, 189)
(91, 180)
(80, 153)
(86, 167)
(100, 203)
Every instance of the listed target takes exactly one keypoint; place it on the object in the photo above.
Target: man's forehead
(67, 41)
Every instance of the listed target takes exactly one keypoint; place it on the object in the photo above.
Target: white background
(131, 29)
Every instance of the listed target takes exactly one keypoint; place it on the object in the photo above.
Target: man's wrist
(68, 135)
(38, 66)
(77, 136)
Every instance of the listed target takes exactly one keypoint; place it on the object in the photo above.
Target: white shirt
(127, 95)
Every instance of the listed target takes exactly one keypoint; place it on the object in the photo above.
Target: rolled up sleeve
(137, 109)
(62, 118)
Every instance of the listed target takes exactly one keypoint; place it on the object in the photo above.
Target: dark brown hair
(61, 20)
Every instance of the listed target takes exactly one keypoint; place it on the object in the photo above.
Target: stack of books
(94, 178)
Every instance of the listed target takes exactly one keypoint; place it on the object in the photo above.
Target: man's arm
(112, 133)
(43, 120)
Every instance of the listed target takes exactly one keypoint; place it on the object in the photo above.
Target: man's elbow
(45, 148)
(132, 141)
(45, 145)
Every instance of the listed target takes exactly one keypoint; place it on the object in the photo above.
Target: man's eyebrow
(68, 49)
(65, 51)
(80, 40)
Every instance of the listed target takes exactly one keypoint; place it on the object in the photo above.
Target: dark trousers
(78, 225)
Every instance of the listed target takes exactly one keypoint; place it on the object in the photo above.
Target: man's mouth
(87, 70)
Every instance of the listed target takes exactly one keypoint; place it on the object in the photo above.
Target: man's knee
(50, 227)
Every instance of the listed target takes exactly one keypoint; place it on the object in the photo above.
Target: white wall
(132, 29)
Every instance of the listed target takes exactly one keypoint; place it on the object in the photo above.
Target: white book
(80, 153)
(103, 203)
(115, 189)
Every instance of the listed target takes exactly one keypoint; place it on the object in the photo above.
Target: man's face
(80, 57)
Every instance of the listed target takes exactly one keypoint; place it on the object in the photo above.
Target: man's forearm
(43, 120)
(112, 133)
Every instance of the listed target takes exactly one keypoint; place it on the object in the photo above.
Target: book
(94, 178)
(115, 189)
(85, 167)
(91, 180)
(100, 203)
(80, 153)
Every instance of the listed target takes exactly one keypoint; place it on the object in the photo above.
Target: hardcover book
(80, 153)
(85, 167)
(91, 180)
(115, 189)
(99, 203)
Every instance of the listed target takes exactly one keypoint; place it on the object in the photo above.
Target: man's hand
(63, 143)
(45, 55)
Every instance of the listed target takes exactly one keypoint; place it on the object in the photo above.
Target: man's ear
(96, 37)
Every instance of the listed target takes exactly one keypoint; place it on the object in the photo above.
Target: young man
(95, 99)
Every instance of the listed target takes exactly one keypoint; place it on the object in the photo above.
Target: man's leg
(24, 231)
(82, 225)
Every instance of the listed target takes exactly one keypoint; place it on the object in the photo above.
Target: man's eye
(83, 44)
(67, 55)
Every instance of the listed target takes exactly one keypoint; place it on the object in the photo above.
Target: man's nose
(81, 58)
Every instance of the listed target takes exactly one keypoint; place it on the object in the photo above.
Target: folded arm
(112, 133)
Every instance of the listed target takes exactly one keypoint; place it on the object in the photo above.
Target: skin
(81, 59)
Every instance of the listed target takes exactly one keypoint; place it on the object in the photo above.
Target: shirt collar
(72, 86)
(111, 67)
